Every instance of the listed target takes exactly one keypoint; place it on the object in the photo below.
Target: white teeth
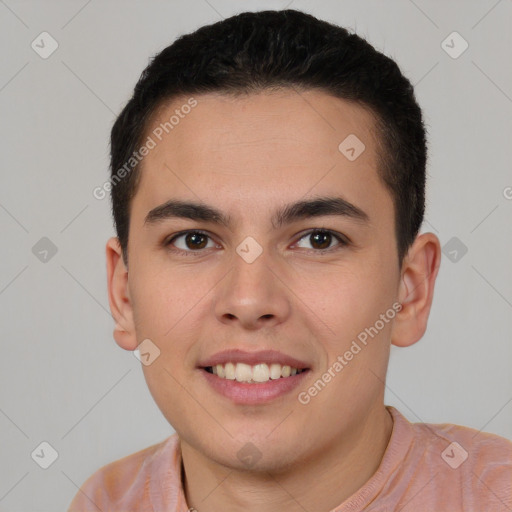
(275, 371)
(260, 372)
(220, 370)
(243, 372)
(229, 370)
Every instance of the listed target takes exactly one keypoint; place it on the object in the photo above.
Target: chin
(251, 459)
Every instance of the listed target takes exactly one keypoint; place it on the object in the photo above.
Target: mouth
(254, 382)
(253, 374)
(253, 378)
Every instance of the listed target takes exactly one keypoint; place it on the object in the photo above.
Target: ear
(416, 290)
(119, 296)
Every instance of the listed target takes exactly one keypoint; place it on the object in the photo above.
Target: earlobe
(416, 290)
(119, 297)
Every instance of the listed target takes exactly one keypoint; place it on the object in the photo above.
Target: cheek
(169, 308)
(160, 299)
(339, 295)
(347, 302)
(154, 310)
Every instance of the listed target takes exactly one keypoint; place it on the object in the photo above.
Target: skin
(248, 156)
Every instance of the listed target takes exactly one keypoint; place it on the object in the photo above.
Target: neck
(338, 471)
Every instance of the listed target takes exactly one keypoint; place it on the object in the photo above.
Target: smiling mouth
(252, 374)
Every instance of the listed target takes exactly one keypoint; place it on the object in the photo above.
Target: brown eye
(190, 241)
(321, 239)
(195, 240)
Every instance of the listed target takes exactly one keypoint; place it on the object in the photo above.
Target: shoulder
(124, 482)
(457, 440)
(479, 449)
(483, 459)
(478, 464)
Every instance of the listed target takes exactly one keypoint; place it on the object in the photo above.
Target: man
(268, 181)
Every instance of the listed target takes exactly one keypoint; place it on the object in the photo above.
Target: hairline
(377, 129)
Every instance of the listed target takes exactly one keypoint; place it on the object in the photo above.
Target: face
(269, 281)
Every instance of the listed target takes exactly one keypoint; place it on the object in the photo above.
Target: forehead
(255, 149)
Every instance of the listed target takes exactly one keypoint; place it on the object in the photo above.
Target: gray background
(63, 378)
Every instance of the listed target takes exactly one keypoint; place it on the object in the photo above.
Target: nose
(253, 295)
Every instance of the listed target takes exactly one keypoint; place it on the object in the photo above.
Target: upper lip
(252, 358)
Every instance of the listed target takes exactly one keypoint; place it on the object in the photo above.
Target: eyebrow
(318, 207)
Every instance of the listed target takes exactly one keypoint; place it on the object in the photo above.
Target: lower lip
(255, 393)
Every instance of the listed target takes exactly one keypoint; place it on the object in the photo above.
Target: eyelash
(343, 241)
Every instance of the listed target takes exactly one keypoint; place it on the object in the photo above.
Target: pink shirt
(426, 467)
